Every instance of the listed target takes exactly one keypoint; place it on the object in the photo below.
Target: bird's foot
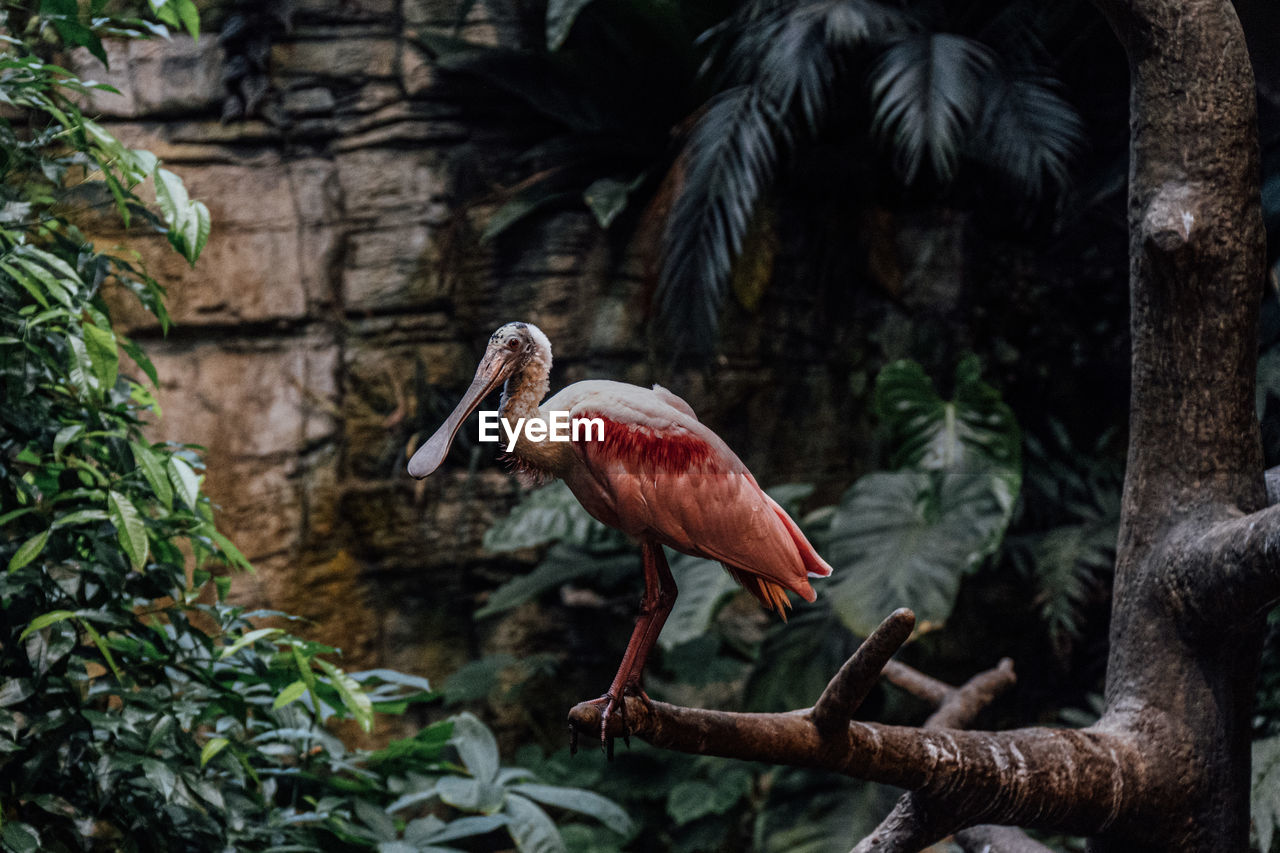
(611, 703)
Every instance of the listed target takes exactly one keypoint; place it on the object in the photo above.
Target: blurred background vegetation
(880, 246)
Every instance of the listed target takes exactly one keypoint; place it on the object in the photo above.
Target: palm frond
(1029, 134)
(793, 53)
(926, 92)
(727, 161)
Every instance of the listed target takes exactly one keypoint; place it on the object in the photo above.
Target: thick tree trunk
(1185, 644)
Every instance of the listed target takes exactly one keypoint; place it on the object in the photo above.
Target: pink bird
(654, 472)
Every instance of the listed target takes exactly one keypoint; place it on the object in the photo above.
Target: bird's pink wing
(659, 472)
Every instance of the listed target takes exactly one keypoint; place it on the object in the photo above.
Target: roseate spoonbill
(656, 473)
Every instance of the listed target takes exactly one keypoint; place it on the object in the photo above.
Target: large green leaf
(905, 538)
(476, 747)
(549, 514)
(530, 827)
(589, 803)
(702, 585)
(563, 563)
(975, 429)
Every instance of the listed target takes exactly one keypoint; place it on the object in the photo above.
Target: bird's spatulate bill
(491, 373)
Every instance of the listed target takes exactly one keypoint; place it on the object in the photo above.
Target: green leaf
(976, 429)
(248, 638)
(65, 436)
(185, 482)
(548, 514)
(473, 795)
(20, 837)
(44, 621)
(80, 517)
(103, 354)
(28, 551)
(197, 234)
(561, 566)
(130, 528)
(530, 827)
(905, 538)
(577, 800)
(148, 461)
(463, 827)
(560, 17)
(212, 748)
(607, 198)
(103, 649)
(15, 690)
(355, 699)
(80, 367)
(229, 550)
(190, 17)
(1264, 799)
(689, 800)
(476, 746)
(381, 824)
(475, 679)
(525, 203)
(171, 195)
(703, 584)
(290, 694)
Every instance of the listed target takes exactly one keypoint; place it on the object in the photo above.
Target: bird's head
(512, 349)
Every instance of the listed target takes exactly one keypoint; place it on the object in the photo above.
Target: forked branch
(1078, 782)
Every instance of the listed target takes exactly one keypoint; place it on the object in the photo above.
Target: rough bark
(1198, 557)
(1186, 623)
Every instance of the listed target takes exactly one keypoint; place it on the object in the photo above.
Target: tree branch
(850, 686)
(1229, 568)
(1077, 782)
(915, 822)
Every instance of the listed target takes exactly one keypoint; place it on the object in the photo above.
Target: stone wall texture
(336, 315)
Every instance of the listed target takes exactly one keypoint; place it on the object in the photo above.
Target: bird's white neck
(520, 398)
(525, 389)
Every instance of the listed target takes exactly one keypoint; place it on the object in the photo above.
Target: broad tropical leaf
(530, 827)
(549, 514)
(703, 584)
(975, 430)
(476, 747)
(564, 563)
(905, 539)
(927, 92)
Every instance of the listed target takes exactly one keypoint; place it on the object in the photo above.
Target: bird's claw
(612, 703)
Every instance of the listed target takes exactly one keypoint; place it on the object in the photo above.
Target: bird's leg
(655, 606)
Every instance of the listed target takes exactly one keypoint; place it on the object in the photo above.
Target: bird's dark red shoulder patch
(640, 444)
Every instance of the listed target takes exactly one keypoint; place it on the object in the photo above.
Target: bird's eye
(513, 344)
